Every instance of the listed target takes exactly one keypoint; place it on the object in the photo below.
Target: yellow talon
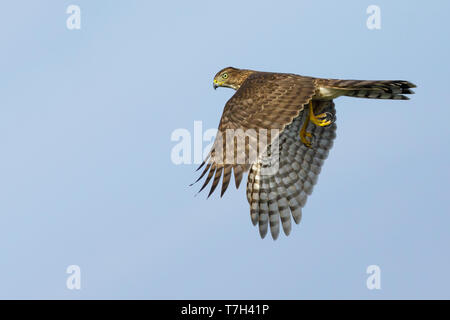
(319, 120)
(322, 115)
(304, 140)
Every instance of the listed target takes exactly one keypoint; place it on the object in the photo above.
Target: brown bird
(296, 116)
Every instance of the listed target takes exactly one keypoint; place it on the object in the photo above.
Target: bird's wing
(275, 197)
(264, 101)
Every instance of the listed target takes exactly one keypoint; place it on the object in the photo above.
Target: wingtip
(195, 181)
(262, 233)
(200, 166)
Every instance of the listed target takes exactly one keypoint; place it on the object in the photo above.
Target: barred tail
(381, 89)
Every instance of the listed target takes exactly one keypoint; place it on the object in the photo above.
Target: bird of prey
(297, 115)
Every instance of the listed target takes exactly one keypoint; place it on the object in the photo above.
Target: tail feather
(379, 89)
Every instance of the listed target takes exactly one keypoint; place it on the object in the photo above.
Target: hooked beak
(215, 84)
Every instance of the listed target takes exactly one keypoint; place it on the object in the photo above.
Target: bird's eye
(225, 75)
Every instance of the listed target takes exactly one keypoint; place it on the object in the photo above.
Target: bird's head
(230, 78)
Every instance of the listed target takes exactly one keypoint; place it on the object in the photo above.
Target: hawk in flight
(297, 115)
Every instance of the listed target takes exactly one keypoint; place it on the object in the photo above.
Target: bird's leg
(321, 120)
(303, 134)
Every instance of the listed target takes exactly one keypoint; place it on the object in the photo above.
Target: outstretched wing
(275, 197)
(264, 101)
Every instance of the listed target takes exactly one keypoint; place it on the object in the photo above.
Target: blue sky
(86, 176)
